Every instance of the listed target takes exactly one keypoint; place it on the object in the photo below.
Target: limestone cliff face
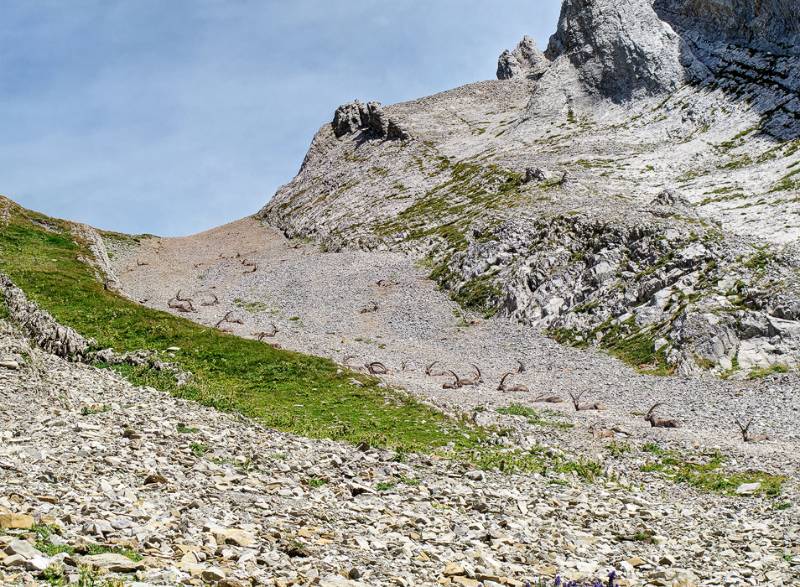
(622, 48)
(751, 21)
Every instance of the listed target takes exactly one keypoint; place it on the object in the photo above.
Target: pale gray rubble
(360, 307)
(641, 186)
(158, 491)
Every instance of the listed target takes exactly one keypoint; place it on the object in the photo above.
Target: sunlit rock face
(752, 21)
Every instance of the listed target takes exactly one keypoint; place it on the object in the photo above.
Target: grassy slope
(288, 391)
(284, 390)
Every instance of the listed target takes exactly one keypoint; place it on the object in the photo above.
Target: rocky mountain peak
(526, 60)
(622, 48)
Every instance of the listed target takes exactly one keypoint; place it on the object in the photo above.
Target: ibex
(253, 267)
(228, 318)
(376, 368)
(431, 372)
(576, 402)
(656, 422)
(476, 378)
(745, 430)
(548, 399)
(268, 333)
(455, 384)
(512, 388)
(181, 304)
(369, 308)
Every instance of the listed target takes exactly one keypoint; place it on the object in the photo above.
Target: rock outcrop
(766, 22)
(370, 117)
(621, 48)
(526, 60)
(45, 331)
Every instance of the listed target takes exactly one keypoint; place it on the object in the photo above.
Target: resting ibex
(455, 384)
(512, 388)
(476, 378)
(376, 368)
(181, 304)
(228, 318)
(268, 333)
(548, 399)
(576, 402)
(656, 422)
(745, 430)
(251, 265)
(431, 372)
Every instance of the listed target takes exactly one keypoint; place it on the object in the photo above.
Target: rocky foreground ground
(98, 474)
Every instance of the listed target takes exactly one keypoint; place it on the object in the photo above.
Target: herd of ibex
(186, 304)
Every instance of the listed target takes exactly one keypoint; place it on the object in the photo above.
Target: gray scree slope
(635, 186)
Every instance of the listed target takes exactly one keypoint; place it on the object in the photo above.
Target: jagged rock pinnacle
(525, 60)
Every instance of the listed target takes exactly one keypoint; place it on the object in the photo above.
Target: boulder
(112, 562)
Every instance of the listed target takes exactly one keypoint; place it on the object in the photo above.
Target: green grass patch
(481, 294)
(788, 182)
(44, 544)
(534, 417)
(635, 347)
(103, 549)
(199, 449)
(760, 260)
(706, 472)
(251, 307)
(762, 372)
(284, 390)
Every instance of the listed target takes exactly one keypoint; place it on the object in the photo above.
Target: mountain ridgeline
(635, 185)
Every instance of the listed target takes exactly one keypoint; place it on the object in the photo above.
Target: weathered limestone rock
(41, 326)
(112, 562)
(526, 60)
(621, 48)
(356, 116)
(771, 21)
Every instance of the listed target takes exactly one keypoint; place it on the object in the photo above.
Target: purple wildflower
(558, 581)
(612, 579)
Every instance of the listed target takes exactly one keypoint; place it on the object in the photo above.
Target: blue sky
(173, 117)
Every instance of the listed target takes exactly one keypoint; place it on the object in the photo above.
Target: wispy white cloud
(172, 117)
